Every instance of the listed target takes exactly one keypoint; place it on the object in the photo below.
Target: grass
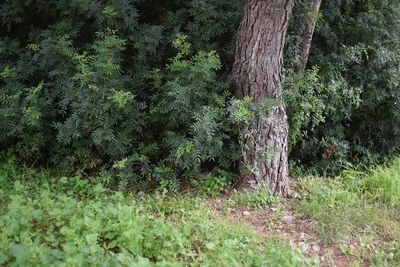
(259, 198)
(360, 207)
(47, 220)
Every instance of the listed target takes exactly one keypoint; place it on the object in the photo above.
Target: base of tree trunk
(267, 162)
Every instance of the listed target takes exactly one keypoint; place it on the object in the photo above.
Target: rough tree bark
(308, 33)
(257, 73)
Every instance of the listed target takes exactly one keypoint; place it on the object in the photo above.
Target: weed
(259, 198)
(212, 184)
(383, 184)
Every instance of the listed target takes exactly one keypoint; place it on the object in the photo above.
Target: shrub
(85, 85)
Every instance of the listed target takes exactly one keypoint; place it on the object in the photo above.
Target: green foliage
(312, 104)
(258, 198)
(241, 111)
(304, 104)
(356, 48)
(190, 107)
(45, 225)
(85, 84)
(76, 112)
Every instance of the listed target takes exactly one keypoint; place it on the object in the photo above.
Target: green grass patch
(258, 198)
(357, 205)
(382, 184)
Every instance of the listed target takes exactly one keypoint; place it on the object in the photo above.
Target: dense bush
(144, 86)
(87, 83)
(356, 49)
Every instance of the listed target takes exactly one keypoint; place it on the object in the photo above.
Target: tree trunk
(257, 73)
(308, 33)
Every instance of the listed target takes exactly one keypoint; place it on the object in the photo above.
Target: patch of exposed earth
(281, 222)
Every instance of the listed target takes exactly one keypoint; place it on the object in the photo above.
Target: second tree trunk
(308, 33)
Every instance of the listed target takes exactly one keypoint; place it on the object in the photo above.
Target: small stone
(288, 218)
(316, 248)
(246, 213)
(302, 236)
(304, 247)
(295, 195)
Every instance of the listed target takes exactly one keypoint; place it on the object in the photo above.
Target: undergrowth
(51, 219)
(71, 221)
(213, 184)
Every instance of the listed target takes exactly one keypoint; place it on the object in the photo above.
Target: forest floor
(349, 220)
(282, 222)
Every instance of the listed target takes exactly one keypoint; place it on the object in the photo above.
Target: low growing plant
(212, 184)
(87, 225)
(259, 198)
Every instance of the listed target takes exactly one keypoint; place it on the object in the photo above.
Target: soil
(280, 221)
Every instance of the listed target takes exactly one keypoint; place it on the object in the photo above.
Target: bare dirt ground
(280, 221)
